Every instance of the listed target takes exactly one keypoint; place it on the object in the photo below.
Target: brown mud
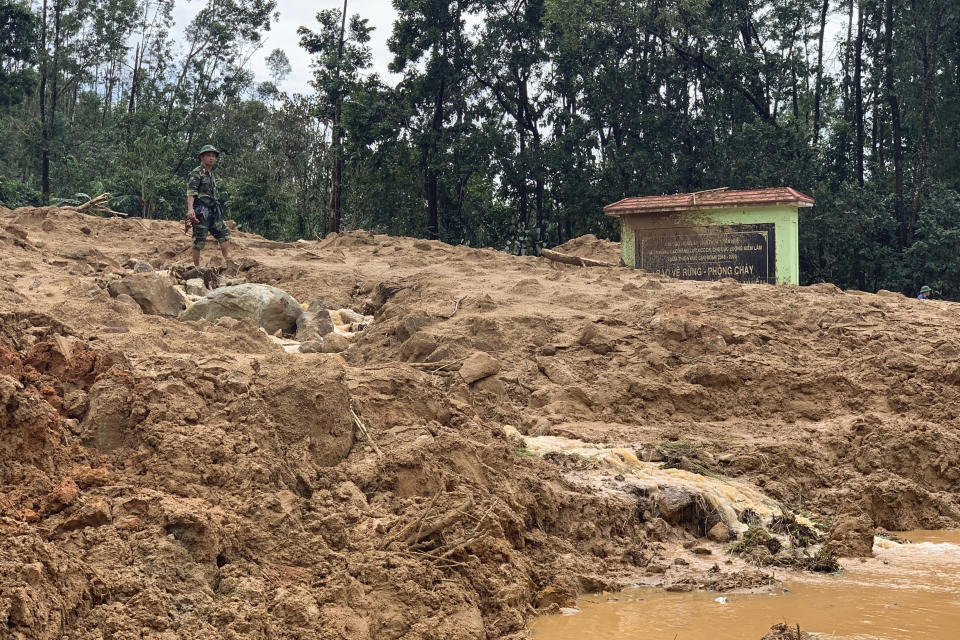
(166, 480)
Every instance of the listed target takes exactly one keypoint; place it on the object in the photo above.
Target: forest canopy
(505, 124)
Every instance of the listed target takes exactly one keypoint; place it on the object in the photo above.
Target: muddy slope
(168, 480)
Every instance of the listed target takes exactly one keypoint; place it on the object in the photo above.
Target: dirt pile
(590, 246)
(167, 479)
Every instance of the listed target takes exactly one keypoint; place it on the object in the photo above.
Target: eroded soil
(165, 480)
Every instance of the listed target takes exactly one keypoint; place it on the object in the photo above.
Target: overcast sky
(380, 13)
(283, 34)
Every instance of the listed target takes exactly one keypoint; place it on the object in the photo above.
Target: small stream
(905, 592)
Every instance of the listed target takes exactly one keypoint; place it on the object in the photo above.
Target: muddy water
(905, 592)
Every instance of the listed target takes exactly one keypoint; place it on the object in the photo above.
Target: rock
(142, 267)
(195, 287)
(556, 372)
(491, 384)
(63, 496)
(349, 316)
(266, 306)
(335, 343)
(128, 301)
(75, 403)
(720, 532)
(319, 304)
(851, 536)
(478, 366)
(314, 325)
(676, 504)
(593, 338)
(313, 346)
(409, 325)
(418, 347)
(94, 513)
(156, 295)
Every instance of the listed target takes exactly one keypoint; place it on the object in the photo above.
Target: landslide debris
(195, 479)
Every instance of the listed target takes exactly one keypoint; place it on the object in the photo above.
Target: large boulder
(267, 306)
(156, 295)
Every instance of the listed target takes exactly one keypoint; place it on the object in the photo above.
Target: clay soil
(167, 480)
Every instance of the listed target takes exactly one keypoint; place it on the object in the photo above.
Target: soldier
(204, 213)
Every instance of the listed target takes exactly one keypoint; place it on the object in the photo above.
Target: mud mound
(186, 479)
(590, 246)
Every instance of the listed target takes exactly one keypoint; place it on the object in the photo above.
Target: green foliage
(513, 132)
(18, 28)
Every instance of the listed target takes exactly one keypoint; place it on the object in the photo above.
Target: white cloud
(283, 35)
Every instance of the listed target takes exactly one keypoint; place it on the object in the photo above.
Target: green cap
(208, 147)
(925, 289)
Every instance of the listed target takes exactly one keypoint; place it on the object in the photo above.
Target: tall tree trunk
(903, 232)
(432, 173)
(930, 49)
(336, 175)
(818, 89)
(44, 129)
(137, 60)
(858, 93)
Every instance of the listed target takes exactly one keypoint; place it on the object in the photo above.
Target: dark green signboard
(745, 252)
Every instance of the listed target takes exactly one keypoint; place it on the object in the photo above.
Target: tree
(18, 28)
(339, 58)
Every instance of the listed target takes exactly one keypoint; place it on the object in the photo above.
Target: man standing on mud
(204, 213)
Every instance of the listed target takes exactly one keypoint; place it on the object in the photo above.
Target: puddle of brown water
(905, 592)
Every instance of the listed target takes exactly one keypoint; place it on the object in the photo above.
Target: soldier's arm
(193, 183)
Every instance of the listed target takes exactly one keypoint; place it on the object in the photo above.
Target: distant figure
(925, 292)
(204, 213)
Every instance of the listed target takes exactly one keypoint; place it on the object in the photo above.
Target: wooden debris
(556, 256)
(98, 205)
(446, 520)
(451, 365)
(363, 429)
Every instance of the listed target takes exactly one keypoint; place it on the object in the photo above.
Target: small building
(751, 236)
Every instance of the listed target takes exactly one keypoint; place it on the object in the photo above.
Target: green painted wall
(784, 218)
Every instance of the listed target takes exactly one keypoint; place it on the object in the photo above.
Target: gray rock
(676, 504)
(335, 343)
(319, 304)
(126, 300)
(314, 325)
(314, 346)
(195, 287)
(155, 294)
(720, 532)
(409, 325)
(266, 306)
(350, 316)
(478, 366)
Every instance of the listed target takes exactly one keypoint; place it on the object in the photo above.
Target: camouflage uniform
(203, 187)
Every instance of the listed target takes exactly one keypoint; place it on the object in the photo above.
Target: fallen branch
(556, 256)
(456, 308)
(98, 204)
(438, 366)
(460, 545)
(446, 520)
(412, 526)
(363, 430)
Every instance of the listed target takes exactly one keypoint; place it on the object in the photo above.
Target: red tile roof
(712, 199)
